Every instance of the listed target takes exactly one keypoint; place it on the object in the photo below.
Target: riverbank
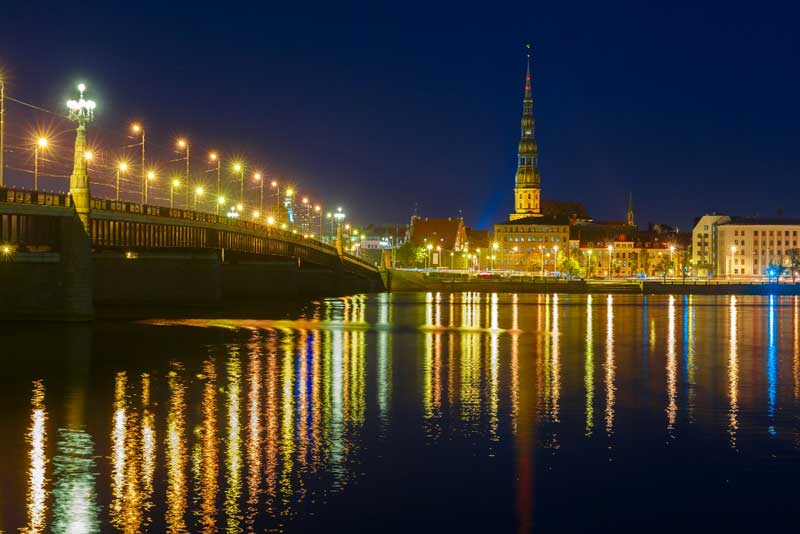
(400, 281)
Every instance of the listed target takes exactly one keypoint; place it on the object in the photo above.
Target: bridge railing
(36, 198)
(234, 223)
(27, 230)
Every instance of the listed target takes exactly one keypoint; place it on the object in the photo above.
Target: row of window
(532, 239)
(737, 233)
(532, 229)
(764, 242)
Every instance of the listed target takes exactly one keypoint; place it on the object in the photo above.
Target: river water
(427, 412)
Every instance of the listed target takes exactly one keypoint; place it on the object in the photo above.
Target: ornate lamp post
(81, 112)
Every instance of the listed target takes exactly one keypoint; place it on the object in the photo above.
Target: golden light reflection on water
(37, 438)
(281, 410)
(610, 367)
(733, 373)
(176, 455)
(233, 448)
(588, 369)
(206, 478)
(672, 369)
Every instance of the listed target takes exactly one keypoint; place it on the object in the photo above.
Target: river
(412, 411)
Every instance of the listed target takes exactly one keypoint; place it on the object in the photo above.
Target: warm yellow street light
(183, 144)
(139, 129)
(151, 175)
(41, 144)
(257, 178)
(199, 191)
(122, 167)
(214, 157)
(270, 220)
(173, 185)
(88, 155)
(238, 167)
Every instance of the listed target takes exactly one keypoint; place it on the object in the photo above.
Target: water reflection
(733, 373)
(37, 437)
(253, 431)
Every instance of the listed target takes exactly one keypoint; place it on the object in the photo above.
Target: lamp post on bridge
(139, 129)
(172, 186)
(214, 157)
(40, 145)
(184, 144)
(238, 167)
(82, 112)
(121, 168)
(257, 178)
(198, 192)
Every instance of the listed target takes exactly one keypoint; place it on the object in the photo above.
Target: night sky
(384, 106)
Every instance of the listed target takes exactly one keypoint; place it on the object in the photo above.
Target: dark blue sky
(380, 106)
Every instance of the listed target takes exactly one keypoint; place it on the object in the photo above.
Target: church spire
(528, 93)
(526, 190)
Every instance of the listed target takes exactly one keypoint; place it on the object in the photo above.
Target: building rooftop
(763, 221)
(446, 233)
(559, 220)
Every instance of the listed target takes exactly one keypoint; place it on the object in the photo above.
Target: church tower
(527, 188)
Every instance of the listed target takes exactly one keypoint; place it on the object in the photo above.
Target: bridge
(60, 259)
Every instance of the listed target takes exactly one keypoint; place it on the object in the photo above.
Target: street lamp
(428, 256)
(151, 175)
(671, 251)
(172, 186)
(257, 178)
(214, 158)
(184, 145)
(139, 129)
(40, 145)
(318, 210)
(122, 167)
(590, 264)
(555, 261)
(220, 203)
(198, 192)
(238, 167)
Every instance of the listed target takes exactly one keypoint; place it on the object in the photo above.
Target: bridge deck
(27, 219)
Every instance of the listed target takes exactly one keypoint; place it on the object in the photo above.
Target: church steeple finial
(528, 91)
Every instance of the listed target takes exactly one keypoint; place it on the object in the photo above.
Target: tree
(569, 266)
(794, 262)
(410, 255)
(773, 270)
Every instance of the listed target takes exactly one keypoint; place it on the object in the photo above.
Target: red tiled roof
(441, 232)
